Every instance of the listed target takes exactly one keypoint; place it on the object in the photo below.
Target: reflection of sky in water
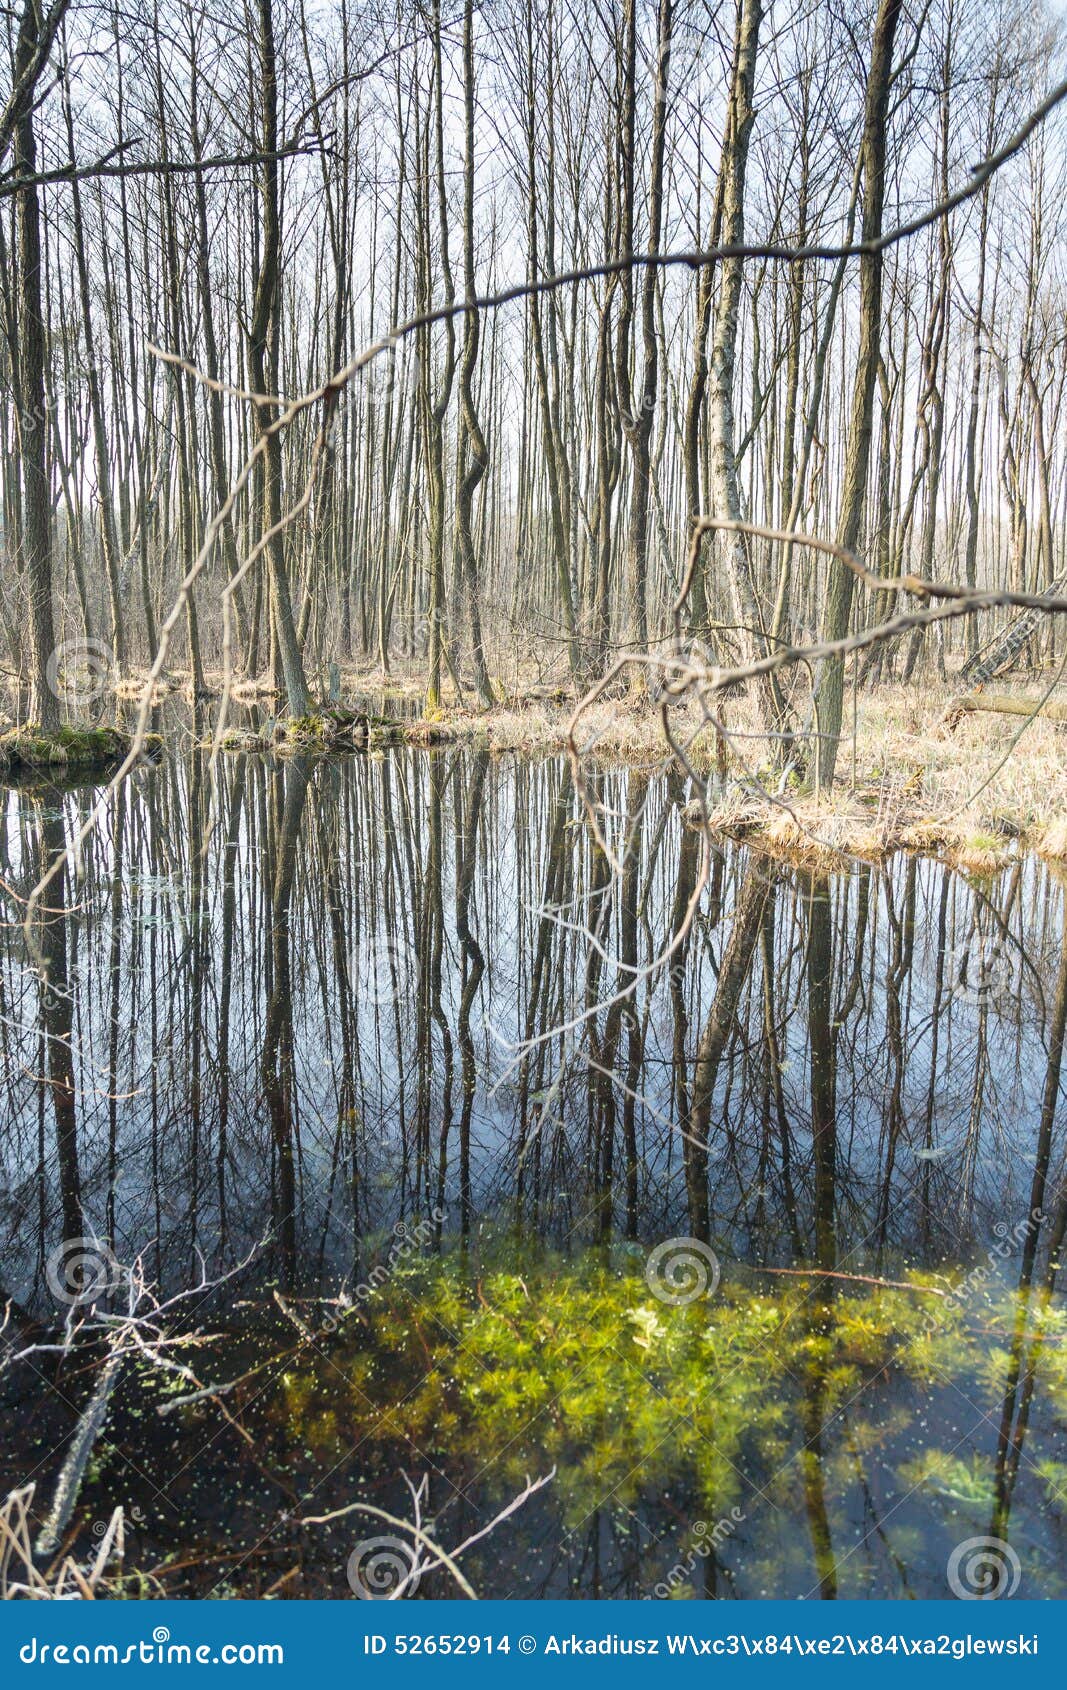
(943, 988)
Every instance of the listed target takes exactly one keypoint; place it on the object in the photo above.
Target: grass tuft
(69, 747)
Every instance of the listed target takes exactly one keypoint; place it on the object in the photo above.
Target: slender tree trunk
(263, 341)
(841, 580)
(36, 533)
(473, 454)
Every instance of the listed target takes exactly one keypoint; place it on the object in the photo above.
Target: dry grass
(86, 1577)
(975, 794)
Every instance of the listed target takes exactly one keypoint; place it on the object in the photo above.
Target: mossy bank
(85, 749)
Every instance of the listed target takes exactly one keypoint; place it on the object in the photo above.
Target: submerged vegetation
(670, 1428)
(581, 1365)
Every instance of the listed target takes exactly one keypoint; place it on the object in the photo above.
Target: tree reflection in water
(336, 1011)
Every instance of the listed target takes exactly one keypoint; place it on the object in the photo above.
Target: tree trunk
(263, 337)
(840, 579)
(36, 536)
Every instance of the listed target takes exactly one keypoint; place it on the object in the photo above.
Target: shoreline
(978, 790)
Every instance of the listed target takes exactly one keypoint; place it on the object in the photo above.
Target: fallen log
(1004, 704)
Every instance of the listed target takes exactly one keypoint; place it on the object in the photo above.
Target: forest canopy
(788, 266)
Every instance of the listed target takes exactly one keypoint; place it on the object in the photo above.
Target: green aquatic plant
(776, 1418)
(577, 1364)
(967, 1481)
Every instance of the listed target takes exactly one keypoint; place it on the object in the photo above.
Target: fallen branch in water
(383, 1563)
(858, 1279)
(81, 1448)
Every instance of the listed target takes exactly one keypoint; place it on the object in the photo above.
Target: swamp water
(759, 1256)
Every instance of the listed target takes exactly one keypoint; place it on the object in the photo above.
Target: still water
(435, 1144)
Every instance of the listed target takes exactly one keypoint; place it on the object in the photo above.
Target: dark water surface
(760, 1256)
